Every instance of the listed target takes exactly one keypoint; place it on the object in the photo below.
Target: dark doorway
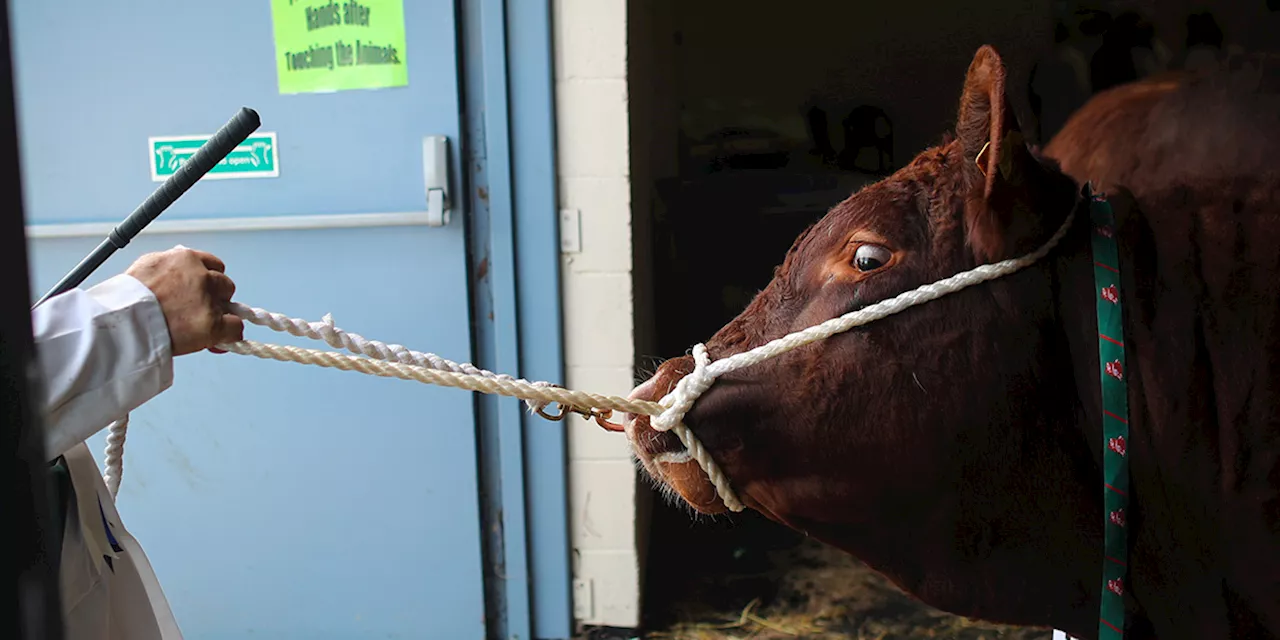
(749, 120)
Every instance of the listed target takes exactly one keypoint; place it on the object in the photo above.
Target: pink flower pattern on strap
(1117, 445)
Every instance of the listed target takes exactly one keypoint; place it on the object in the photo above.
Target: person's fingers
(228, 328)
(221, 286)
(216, 350)
(211, 262)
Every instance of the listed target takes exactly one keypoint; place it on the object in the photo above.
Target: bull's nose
(641, 392)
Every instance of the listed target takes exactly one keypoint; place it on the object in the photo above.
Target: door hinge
(583, 607)
(570, 231)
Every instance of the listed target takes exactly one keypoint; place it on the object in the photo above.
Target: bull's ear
(993, 147)
(987, 127)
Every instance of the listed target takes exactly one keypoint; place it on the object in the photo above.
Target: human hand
(195, 296)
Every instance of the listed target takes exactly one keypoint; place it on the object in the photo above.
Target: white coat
(103, 352)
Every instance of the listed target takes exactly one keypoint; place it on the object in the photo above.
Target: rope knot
(328, 331)
(687, 391)
(538, 406)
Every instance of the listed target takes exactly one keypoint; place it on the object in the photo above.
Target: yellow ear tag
(977, 160)
(1006, 152)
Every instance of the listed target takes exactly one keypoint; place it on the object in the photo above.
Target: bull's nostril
(639, 393)
(642, 392)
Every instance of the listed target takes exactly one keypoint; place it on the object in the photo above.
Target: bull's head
(886, 419)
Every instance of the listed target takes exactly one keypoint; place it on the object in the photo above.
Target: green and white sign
(323, 46)
(256, 157)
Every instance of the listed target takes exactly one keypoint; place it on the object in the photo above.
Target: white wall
(594, 180)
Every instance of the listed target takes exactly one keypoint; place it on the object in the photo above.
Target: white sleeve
(102, 352)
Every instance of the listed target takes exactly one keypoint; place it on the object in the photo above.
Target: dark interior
(748, 121)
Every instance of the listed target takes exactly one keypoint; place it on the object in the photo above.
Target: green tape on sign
(338, 46)
(256, 157)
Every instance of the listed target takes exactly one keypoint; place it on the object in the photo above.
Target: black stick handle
(209, 154)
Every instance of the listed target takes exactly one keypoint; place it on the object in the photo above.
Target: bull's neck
(1023, 549)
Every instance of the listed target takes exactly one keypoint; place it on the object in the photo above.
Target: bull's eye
(869, 257)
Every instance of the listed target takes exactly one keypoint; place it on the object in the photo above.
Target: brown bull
(955, 447)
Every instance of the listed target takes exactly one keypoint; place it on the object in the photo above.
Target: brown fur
(955, 447)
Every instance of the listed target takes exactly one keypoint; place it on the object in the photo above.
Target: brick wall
(594, 180)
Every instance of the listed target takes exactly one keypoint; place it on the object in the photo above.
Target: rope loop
(687, 391)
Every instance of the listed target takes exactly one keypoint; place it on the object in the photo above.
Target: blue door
(275, 500)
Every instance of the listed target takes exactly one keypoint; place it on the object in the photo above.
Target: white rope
(114, 462)
(330, 334)
(396, 361)
(537, 395)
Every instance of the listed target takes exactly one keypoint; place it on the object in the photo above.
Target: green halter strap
(1115, 416)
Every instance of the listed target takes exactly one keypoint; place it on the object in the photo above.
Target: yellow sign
(336, 46)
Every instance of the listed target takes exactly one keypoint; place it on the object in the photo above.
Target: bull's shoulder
(1179, 131)
(1103, 140)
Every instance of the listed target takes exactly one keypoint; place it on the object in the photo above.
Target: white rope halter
(396, 361)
